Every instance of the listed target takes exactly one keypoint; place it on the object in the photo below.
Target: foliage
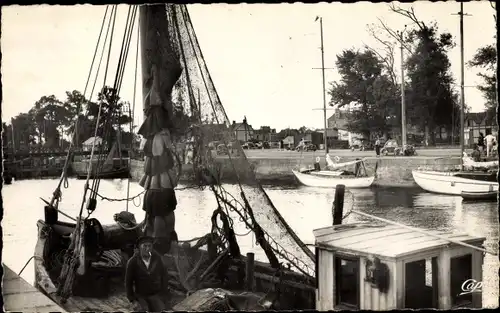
(431, 93)
(366, 85)
(50, 118)
(486, 58)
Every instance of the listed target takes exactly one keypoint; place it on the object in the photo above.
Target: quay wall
(391, 171)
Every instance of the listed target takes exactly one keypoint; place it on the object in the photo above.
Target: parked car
(222, 150)
(248, 145)
(307, 147)
(362, 145)
(391, 147)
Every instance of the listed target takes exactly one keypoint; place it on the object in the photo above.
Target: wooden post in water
(338, 204)
(249, 277)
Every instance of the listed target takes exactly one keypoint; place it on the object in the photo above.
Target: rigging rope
(57, 191)
(132, 114)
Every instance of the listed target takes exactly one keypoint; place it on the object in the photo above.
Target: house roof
(478, 117)
(237, 126)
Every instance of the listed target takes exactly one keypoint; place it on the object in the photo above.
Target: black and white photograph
(249, 156)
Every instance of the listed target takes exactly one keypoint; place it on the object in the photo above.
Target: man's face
(145, 249)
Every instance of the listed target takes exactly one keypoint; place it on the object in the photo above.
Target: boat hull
(450, 184)
(48, 248)
(479, 196)
(119, 168)
(109, 174)
(331, 181)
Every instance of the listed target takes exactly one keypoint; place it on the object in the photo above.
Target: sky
(260, 56)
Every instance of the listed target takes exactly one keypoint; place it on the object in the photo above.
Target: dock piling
(338, 204)
(249, 277)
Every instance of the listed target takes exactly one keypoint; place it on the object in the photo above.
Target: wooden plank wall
(19, 295)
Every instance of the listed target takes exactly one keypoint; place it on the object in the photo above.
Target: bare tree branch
(394, 34)
(409, 14)
(388, 58)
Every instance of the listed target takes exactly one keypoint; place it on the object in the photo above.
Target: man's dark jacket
(141, 281)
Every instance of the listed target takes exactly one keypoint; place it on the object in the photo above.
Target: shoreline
(391, 171)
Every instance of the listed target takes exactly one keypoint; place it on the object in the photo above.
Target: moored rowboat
(479, 196)
(451, 183)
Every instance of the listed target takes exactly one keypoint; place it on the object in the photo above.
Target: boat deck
(19, 295)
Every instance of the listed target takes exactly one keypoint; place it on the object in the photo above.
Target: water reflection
(304, 208)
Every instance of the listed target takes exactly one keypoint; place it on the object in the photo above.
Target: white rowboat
(450, 184)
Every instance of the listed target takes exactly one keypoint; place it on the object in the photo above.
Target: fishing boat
(80, 264)
(333, 176)
(114, 165)
(384, 265)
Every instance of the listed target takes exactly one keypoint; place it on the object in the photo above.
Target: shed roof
(388, 241)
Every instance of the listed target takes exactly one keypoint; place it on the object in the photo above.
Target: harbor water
(304, 208)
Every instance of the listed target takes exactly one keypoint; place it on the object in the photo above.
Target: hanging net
(184, 112)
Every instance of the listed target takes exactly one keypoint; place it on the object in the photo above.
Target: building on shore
(478, 122)
(265, 133)
(243, 131)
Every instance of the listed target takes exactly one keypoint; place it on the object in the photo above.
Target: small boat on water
(334, 176)
(479, 196)
(457, 182)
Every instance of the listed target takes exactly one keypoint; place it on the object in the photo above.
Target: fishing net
(203, 138)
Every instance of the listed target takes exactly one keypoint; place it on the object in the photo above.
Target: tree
(25, 131)
(486, 58)
(111, 117)
(76, 105)
(365, 85)
(49, 115)
(432, 99)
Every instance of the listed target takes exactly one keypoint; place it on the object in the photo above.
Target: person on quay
(146, 280)
(377, 146)
(480, 142)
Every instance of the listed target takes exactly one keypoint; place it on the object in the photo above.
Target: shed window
(460, 271)
(347, 281)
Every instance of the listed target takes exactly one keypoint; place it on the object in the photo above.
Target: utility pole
(403, 102)
(462, 84)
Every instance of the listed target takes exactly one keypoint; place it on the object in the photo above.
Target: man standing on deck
(146, 277)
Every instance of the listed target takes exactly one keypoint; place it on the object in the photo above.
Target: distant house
(314, 137)
(265, 133)
(87, 144)
(289, 141)
(475, 123)
(243, 131)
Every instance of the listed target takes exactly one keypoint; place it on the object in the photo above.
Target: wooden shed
(375, 267)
